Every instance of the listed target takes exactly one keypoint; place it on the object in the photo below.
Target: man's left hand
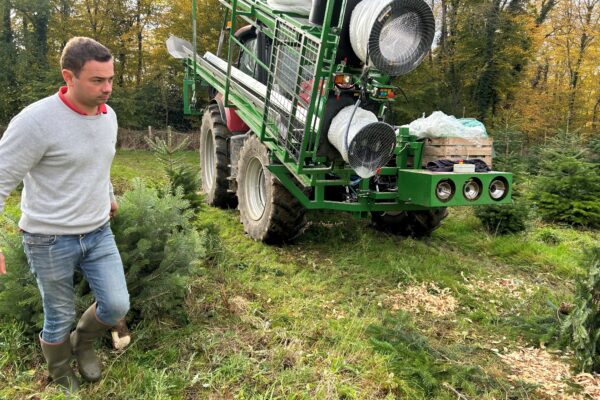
(2, 263)
(113, 209)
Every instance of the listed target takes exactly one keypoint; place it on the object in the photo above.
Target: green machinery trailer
(297, 120)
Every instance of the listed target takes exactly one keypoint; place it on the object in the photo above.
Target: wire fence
(137, 140)
(132, 139)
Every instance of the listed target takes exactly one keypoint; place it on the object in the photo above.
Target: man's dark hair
(80, 50)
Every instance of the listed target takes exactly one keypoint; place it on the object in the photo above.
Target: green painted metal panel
(418, 187)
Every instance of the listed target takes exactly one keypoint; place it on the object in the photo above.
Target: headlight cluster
(472, 189)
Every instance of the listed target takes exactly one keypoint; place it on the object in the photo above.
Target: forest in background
(529, 69)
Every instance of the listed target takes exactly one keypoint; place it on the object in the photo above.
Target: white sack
(301, 7)
(439, 124)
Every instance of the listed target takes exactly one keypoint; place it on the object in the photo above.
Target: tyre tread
(284, 219)
(218, 195)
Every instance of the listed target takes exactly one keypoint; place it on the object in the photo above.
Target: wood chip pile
(427, 297)
(551, 374)
(507, 286)
(590, 384)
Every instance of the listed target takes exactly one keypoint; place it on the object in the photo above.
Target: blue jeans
(53, 260)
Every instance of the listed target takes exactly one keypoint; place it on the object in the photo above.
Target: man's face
(93, 86)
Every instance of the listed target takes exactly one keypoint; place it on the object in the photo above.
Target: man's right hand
(2, 264)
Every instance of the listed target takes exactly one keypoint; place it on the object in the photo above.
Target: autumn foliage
(533, 62)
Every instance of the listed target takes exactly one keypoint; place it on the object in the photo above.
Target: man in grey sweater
(62, 148)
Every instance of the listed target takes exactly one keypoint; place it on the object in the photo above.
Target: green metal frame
(415, 186)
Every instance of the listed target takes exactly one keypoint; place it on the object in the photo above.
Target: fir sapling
(160, 250)
(582, 327)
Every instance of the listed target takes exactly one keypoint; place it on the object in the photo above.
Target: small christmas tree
(509, 218)
(568, 188)
(20, 298)
(160, 249)
(180, 174)
(582, 327)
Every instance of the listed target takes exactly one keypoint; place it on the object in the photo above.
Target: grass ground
(346, 312)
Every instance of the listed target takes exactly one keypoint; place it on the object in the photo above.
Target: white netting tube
(362, 21)
(339, 126)
(301, 7)
(364, 143)
(394, 35)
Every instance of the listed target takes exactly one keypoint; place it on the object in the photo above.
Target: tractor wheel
(409, 223)
(214, 159)
(268, 211)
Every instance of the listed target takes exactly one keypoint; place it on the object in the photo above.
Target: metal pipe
(194, 36)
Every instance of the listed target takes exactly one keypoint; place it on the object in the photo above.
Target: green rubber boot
(89, 328)
(58, 356)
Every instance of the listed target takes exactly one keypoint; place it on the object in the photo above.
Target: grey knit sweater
(63, 159)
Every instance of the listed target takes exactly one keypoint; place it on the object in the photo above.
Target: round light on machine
(472, 189)
(392, 35)
(444, 190)
(498, 188)
(343, 81)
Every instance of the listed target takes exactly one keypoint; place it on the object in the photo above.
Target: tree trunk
(40, 20)
(8, 55)
(485, 91)
(121, 62)
(140, 54)
(595, 122)
(7, 45)
(584, 42)
(452, 72)
(65, 17)
(6, 34)
(36, 17)
(93, 7)
(547, 6)
(430, 55)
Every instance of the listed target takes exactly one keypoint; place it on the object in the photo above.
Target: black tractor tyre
(409, 223)
(215, 159)
(268, 211)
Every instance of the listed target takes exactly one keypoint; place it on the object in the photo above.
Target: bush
(180, 174)
(593, 150)
(509, 218)
(20, 299)
(549, 237)
(160, 250)
(569, 192)
(582, 327)
(567, 189)
(505, 219)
